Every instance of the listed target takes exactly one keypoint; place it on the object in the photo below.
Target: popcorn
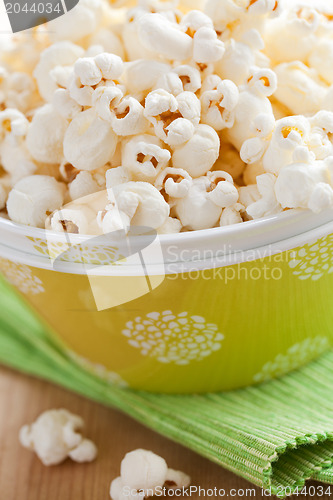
(67, 107)
(232, 215)
(175, 115)
(299, 88)
(292, 36)
(237, 61)
(180, 79)
(128, 117)
(321, 59)
(321, 198)
(144, 471)
(81, 21)
(229, 161)
(263, 81)
(222, 191)
(236, 17)
(115, 176)
(198, 155)
(248, 195)
(67, 172)
(33, 198)
(176, 479)
(46, 135)
(105, 100)
(202, 207)
(259, 12)
(268, 203)
(4, 191)
(111, 219)
(305, 185)
(175, 182)
(325, 26)
(253, 150)
(109, 41)
(83, 185)
(134, 47)
(78, 220)
(141, 202)
(90, 72)
(14, 155)
(253, 102)
(223, 13)
(207, 48)
(170, 226)
(219, 104)
(159, 5)
(3, 79)
(13, 122)
(19, 91)
(194, 21)
(110, 65)
(144, 157)
(261, 7)
(61, 76)
(116, 491)
(89, 142)
(277, 149)
(55, 436)
(252, 171)
(164, 37)
(289, 134)
(174, 118)
(87, 71)
(79, 216)
(279, 110)
(319, 141)
(59, 54)
(80, 93)
(16, 159)
(142, 75)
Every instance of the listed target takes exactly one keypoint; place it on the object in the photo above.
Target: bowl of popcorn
(166, 187)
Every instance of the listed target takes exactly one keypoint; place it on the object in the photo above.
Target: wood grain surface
(23, 477)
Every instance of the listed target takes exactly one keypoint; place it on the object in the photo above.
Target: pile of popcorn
(174, 114)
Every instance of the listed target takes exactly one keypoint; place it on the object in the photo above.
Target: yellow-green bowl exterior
(210, 330)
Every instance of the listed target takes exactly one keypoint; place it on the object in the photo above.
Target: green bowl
(220, 312)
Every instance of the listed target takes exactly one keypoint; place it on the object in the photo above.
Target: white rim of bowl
(184, 267)
(301, 216)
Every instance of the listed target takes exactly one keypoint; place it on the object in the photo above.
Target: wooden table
(23, 477)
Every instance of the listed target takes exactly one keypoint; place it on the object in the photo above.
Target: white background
(4, 21)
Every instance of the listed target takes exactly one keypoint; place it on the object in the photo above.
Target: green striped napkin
(276, 435)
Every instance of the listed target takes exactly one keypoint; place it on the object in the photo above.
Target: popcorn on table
(56, 436)
(175, 115)
(142, 473)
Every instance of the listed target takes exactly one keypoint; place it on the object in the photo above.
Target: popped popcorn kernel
(144, 472)
(55, 436)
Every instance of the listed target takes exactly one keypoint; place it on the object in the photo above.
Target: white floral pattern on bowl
(296, 356)
(87, 254)
(314, 260)
(173, 338)
(21, 276)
